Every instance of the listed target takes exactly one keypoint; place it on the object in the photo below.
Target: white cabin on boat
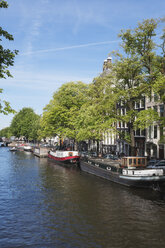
(63, 154)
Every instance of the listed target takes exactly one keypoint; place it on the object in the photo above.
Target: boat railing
(133, 162)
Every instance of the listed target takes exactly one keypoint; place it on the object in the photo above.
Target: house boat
(130, 171)
(66, 158)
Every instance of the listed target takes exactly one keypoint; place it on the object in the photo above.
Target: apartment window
(137, 105)
(122, 111)
(150, 98)
(155, 108)
(161, 131)
(156, 97)
(155, 132)
(142, 103)
(143, 133)
(161, 110)
(149, 132)
(138, 132)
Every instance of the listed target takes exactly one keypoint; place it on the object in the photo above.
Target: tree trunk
(98, 146)
(75, 145)
(133, 148)
(130, 125)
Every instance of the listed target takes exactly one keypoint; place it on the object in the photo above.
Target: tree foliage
(60, 115)
(6, 132)
(25, 123)
(6, 59)
(96, 116)
(136, 74)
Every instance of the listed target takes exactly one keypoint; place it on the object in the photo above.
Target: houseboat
(66, 158)
(129, 171)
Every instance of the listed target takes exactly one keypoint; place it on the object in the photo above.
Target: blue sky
(62, 41)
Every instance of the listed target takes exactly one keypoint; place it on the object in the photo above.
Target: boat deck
(110, 162)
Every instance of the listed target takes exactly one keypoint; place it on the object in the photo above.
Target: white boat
(13, 149)
(27, 148)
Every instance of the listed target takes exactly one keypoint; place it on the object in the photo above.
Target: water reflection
(45, 205)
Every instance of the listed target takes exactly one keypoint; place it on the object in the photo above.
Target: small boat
(130, 171)
(27, 148)
(13, 149)
(66, 158)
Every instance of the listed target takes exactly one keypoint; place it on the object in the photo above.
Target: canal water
(44, 205)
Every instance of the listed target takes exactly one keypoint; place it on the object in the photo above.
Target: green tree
(6, 59)
(26, 123)
(6, 132)
(134, 76)
(96, 115)
(60, 115)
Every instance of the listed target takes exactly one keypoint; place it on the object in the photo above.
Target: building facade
(149, 142)
(155, 134)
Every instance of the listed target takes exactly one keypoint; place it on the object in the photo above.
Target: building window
(161, 110)
(122, 111)
(149, 132)
(155, 108)
(137, 105)
(156, 97)
(143, 133)
(143, 103)
(161, 131)
(150, 98)
(155, 132)
(138, 132)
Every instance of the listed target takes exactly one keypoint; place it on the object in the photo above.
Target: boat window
(143, 161)
(130, 161)
(138, 160)
(135, 161)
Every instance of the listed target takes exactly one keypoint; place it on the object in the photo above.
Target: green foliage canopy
(25, 123)
(60, 115)
(136, 74)
(6, 132)
(6, 59)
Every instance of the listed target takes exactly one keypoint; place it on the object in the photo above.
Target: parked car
(152, 162)
(108, 156)
(84, 154)
(93, 154)
(159, 165)
(111, 156)
(115, 157)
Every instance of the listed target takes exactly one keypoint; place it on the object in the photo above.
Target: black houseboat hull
(115, 175)
(66, 162)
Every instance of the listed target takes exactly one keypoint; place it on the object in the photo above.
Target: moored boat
(13, 149)
(66, 158)
(130, 171)
(27, 148)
